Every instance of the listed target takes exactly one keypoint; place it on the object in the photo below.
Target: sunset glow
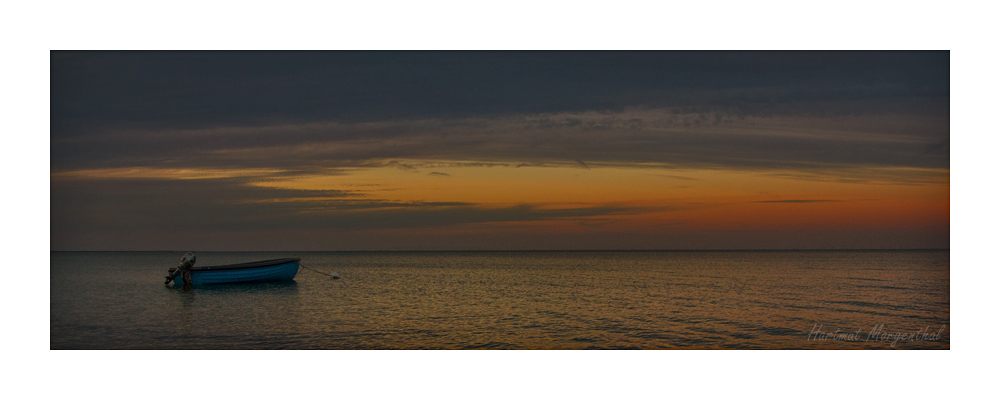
(785, 165)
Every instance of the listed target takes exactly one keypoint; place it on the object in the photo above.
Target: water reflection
(275, 288)
(570, 300)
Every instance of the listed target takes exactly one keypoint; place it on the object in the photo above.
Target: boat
(281, 269)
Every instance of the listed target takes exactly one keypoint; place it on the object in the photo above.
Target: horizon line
(484, 251)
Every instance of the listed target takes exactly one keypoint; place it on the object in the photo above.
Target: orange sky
(500, 151)
(702, 199)
(645, 205)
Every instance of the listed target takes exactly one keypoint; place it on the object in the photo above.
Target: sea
(850, 299)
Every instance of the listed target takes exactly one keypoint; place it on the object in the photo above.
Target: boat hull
(285, 271)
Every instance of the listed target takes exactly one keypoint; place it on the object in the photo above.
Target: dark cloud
(310, 111)
(863, 117)
(95, 90)
(128, 207)
(817, 143)
(798, 201)
(683, 178)
(399, 165)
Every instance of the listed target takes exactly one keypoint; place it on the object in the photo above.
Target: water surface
(509, 300)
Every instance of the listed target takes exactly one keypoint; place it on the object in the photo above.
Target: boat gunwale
(252, 264)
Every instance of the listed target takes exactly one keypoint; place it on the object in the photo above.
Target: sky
(586, 150)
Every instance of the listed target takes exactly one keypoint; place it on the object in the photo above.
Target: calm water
(508, 300)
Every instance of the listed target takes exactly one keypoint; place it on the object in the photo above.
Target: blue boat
(282, 269)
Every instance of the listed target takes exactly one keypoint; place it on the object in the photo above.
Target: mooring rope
(313, 270)
(333, 275)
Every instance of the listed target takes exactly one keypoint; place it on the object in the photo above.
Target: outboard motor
(187, 261)
(183, 269)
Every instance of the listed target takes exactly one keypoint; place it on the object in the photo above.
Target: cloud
(799, 201)
(125, 207)
(683, 178)
(397, 164)
(172, 142)
(307, 112)
(91, 91)
(830, 146)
